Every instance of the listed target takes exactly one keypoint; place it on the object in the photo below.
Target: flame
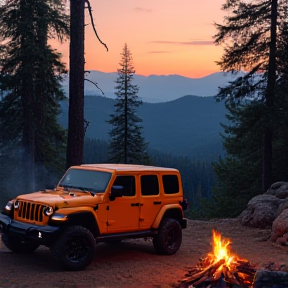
(221, 249)
(221, 252)
(222, 263)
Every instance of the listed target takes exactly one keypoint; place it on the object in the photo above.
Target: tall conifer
(30, 81)
(127, 145)
(256, 132)
(251, 45)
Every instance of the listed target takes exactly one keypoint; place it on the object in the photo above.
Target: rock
(282, 207)
(261, 211)
(270, 279)
(280, 228)
(279, 190)
(269, 210)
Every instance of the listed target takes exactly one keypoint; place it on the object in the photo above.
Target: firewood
(216, 275)
(229, 277)
(198, 282)
(202, 274)
(246, 269)
(244, 278)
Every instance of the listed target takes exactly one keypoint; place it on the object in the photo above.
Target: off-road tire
(15, 244)
(169, 237)
(74, 249)
(113, 242)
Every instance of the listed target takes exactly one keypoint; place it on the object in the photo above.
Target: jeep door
(123, 212)
(150, 203)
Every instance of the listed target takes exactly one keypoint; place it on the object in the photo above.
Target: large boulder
(269, 210)
(261, 211)
(279, 190)
(280, 229)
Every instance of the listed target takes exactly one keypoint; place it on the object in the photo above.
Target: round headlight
(9, 206)
(48, 211)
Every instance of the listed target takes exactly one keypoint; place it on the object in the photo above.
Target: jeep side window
(128, 184)
(149, 185)
(171, 184)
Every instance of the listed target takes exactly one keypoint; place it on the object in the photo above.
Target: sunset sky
(164, 36)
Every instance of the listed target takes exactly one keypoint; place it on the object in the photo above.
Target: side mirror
(116, 191)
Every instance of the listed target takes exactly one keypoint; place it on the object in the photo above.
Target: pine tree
(239, 173)
(252, 45)
(127, 145)
(31, 72)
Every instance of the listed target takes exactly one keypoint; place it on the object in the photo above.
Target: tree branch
(92, 22)
(95, 85)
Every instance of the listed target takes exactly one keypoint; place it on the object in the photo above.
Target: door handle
(135, 204)
(157, 202)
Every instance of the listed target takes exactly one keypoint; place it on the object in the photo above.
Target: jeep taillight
(184, 204)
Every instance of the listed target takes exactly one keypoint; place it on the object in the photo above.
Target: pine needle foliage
(32, 141)
(127, 144)
(254, 36)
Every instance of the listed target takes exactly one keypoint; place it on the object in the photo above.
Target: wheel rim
(76, 249)
(171, 238)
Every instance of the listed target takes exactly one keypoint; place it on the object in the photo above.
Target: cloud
(159, 52)
(139, 9)
(192, 43)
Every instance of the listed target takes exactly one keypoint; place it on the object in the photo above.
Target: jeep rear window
(171, 184)
(90, 180)
(149, 185)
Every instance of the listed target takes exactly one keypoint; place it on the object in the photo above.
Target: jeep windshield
(85, 180)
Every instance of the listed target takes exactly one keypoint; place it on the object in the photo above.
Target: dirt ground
(133, 263)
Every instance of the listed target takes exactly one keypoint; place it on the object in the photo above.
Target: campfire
(220, 268)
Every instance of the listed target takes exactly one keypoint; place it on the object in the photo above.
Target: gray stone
(282, 207)
(261, 211)
(270, 279)
(279, 190)
(280, 228)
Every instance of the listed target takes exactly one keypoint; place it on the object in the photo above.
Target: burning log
(204, 273)
(212, 274)
(220, 266)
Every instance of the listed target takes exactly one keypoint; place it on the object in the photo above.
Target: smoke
(15, 179)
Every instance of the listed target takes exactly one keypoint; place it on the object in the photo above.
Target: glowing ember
(221, 264)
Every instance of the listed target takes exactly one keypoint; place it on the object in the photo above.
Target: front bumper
(27, 231)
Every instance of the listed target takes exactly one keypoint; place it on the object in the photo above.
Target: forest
(37, 144)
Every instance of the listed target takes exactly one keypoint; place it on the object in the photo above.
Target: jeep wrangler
(95, 203)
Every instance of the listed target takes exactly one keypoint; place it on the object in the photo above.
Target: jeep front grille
(30, 211)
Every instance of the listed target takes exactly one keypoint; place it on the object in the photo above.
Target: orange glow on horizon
(163, 36)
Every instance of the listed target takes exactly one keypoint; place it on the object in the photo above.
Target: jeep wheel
(17, 245)
(169, 237)
(74, 249)
(113, 242)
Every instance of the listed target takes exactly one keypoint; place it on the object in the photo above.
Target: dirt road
(134, 263)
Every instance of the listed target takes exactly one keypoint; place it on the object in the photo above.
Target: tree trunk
(27, 98)
(268, 134)
(75, 141)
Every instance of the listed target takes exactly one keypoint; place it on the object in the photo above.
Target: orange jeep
(97, 203)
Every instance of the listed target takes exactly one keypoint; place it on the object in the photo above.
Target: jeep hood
(61, 198)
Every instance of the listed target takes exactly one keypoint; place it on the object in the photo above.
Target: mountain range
(155, 88)
(188, 126)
